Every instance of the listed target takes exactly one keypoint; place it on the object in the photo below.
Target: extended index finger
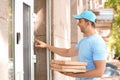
(36, 40)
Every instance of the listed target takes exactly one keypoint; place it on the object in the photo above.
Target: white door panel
(24, 65)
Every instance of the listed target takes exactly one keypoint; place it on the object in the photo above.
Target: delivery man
(91, 49)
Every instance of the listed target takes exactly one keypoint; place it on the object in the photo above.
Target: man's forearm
(97, 72)
(59, 51)
(89, 74)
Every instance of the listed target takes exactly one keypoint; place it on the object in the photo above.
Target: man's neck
(90, 33)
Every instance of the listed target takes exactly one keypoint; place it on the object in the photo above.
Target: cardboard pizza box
(68, 62)
(68, 66)
(68, 70)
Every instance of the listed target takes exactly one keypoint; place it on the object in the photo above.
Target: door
(24, 56)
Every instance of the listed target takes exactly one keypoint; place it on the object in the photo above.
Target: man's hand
(40, 44)
(71, 74)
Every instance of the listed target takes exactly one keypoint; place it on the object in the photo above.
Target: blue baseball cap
(89, 15)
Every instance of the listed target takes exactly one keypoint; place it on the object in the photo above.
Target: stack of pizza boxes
(68, 66)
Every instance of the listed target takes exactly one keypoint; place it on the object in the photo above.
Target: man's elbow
(100, 74)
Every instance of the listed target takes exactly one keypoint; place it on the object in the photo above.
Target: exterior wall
(40, 33)
(61, 23)
(61, 30)
(77, 7)
(74, 28)
(4, 39)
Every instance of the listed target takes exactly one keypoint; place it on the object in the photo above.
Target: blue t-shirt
(91, 48)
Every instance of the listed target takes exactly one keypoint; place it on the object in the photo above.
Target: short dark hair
(90, 21)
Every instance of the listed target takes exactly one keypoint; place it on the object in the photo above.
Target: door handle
(18, 37)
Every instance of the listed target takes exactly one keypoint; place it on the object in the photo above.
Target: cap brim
(77, 16)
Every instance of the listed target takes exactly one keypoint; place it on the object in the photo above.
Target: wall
(76, 8)
(74, 28)
(4, 39)
(61, 30)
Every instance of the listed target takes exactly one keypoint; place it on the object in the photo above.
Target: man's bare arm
(60, 51)
(97, 72)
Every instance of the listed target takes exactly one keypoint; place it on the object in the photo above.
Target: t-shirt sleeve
(78, 44)
(99, 50)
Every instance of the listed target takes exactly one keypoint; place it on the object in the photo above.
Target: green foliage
(114, 42)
